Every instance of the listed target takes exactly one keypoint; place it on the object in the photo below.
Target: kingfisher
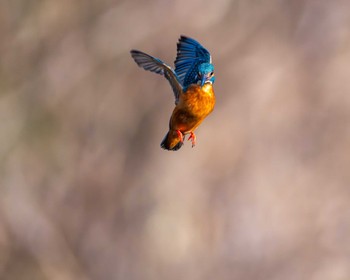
(192, 83)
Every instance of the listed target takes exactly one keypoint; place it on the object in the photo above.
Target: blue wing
(155, 65)
(190, 54)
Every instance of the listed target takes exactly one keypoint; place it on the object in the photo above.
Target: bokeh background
(87, 193)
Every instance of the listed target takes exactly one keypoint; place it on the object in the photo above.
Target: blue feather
(155, 65)
(190, 54)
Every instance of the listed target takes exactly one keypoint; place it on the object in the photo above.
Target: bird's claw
(180, 135)
(192, 138)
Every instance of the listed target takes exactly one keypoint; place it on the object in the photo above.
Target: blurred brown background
(87, 193)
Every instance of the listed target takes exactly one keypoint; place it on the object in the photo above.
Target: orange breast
(194, 105)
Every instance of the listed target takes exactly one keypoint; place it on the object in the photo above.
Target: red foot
(179, 134)
(192, 138)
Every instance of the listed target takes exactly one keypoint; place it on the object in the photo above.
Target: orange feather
(193, 107)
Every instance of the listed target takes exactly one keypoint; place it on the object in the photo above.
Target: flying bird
(192, 83)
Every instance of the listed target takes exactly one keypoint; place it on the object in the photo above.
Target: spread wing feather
(190, 54)
(155, 65)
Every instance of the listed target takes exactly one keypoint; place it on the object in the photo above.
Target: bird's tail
(172, 141)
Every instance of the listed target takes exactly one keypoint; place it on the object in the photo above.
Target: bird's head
(205, 74)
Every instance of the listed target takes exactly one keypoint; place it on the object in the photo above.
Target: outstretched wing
(190, 54)
(155, 65)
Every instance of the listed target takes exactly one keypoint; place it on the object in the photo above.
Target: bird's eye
(211, 74)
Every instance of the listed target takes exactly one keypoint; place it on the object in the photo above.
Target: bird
(192, 83)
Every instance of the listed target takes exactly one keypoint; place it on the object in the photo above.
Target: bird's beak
(204, 79)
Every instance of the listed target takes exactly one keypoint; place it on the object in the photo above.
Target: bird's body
(192, 83)
(194, 105)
